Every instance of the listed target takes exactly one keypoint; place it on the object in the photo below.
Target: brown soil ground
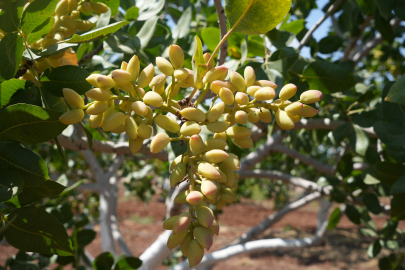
(343, 249)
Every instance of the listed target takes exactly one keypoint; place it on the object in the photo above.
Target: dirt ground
(344, 248)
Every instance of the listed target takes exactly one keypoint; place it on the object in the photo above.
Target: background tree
(351, 153)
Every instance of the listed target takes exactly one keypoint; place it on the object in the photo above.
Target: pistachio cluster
(206, 165)
(67, 22)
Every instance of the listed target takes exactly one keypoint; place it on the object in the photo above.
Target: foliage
(40, 54)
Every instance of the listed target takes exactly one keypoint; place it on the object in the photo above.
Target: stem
(200, 98)
(229, 32)
(190, 97)
(213, 101)
(33, 73)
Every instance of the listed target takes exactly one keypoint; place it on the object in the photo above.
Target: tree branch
(261, 152)
(304, 159)
(275, 217)
(371, 44)
(308, 35)
(294, 180)
(93, 163)
(222, 27)
(354, 41)
(336, 27)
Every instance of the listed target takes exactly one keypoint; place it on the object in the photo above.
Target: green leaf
(368, 232)
(120, 43)
(330, 44)
(352, 213)
(182, 28)
(211, 37)
(294, 26)
(327, 77)
(366, 220)
(72, 77)
(328, 181)
(27, 164)
(132, 14)
(393, 113)
(33, 194)
(371, 180)
(389, 229)
(36, 13)
(263, 15)
(11, 184)
(9, 88)
(30, 95)
(370, 200)
(398, 186)
(374, 249)
(144, 35)
(51, 50)
(103, 20)
(397, 92)
(397, 207)
(280, 39)
(282, 60)
(198, 63)
(11, 14)
(337, 135)
(256, 46)
(399, 10)
(97, 33)
(396, 152)
(359, 140)
(104, 261)
(41, 30)
(388, 172)
(384, 264)
(34, 230)
(148, 9)
(244, 51)
(11, 49)
(55, 103)
(390, 133)
(127, 263)
(385, 7)
(85, 237)
(29, 124)
(334, 218)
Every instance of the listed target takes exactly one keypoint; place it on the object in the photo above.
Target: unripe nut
(195, 253)
(194, 197)
(176, 56)
(72, 117)
(159, 142)
(311, 96)
(203, 237)
(208, 171)
(164, 66)
(182, 223)
(167, 123)
(153, 99)
(73, 98)
(288, 91)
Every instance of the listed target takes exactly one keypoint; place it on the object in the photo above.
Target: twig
(336, 27)
(353, 42)
(91, 54)
(308, 35)
(371, 44)
(222, 27)
(275, 217)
